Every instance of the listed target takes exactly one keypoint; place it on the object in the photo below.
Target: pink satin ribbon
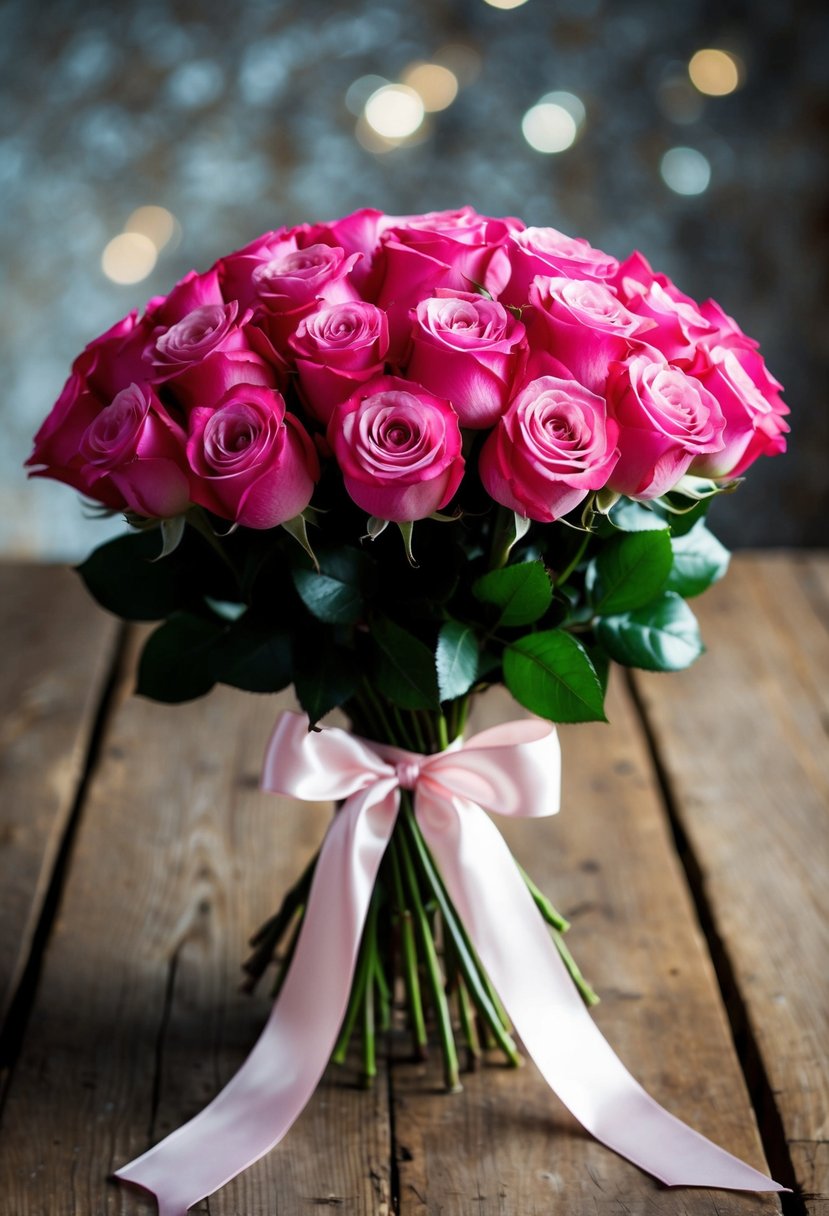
(513, 770)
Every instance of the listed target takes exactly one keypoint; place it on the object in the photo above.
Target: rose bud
(399, 449)
(134, 446)
(336, 349)
(552, 447)
(666, 419)
(469, 350)
(583, 324)
(548, 252)
(251, 461)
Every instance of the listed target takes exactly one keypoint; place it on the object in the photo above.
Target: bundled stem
(413, 934)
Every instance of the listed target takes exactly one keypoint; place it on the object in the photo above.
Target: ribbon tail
(559, 1034)
(259, 1105)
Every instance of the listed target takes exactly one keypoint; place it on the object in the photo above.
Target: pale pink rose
(134, 446)
(666, 419)
(552, 447)
(469, 350)
(251, 461)
(546, 251)
(752, 407)
(336, 349)
(399, 449)
(584, 324)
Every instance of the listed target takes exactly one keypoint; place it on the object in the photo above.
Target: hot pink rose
(678, 325)
(209, 350)
(56, 452)
(192, 292)
(251, 461)
(752, 407)
(336, 349)
(584, 324)
(547, 252)
(133, 446)
(294, 282)
(666, 419)
(456, 250)
(554, 444)
(469, 350)
(399, 449)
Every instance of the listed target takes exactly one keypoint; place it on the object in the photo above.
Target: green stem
(201, 524)
(443, 732)
(359, 983)
(447, 1038)
(478, 982)
(543, 904)
(573, 563)
(587, 993)
(409, 949)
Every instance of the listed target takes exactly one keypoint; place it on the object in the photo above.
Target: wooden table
(691, 856)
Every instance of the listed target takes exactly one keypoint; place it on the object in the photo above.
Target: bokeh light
(685, 171)
(129, 258)
(553, 123)
(157, 223)
(436, 85)
(505, 3)
(395, 111)
(714, 72)
(359, 92)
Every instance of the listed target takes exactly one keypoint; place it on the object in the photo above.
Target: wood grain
(56, 653)
(506, 1145)
(742, 737)
(138, 1020)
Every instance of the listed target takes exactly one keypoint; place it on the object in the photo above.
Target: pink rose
(209, 350)
(192, 292)
(554, 444)
(116, 358)
(550, 253)
(360, 233)
(336, 349)
(584, 324)
(455, 250)
(666, 419)
(295, 282)
(56, 452)
(252, 462)
(469, 350)
(751, 405)
(135, 447)
(399, 449)
(678, 325)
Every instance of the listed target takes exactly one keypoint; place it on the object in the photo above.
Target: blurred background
(138, 140)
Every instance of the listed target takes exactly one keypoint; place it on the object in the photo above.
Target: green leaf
(325, 677)
(456, 659)
(124, 577)
(335, 595)
(551, 674)
(404, 669)
(662, 636)
(522, 592)
(699, 560)
(253, 656)
(630, 571)
(175, 664)
(630, 516)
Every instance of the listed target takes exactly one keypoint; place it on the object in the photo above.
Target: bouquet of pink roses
(392, 461)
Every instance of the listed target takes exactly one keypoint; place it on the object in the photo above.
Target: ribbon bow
(513, 770)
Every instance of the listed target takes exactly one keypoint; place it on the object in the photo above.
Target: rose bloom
(666, 420)
(134, 446)
(583, 324)
(546, 251)
(552, 447)
(752, 407)
(469, 350)
(678, 324)
(251, 461)
(456, 250)
(336, 349)
(399, 449)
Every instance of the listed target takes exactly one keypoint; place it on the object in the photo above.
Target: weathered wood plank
(54, 662)
(742, 737)
(506, 1145)
(138, 1020)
